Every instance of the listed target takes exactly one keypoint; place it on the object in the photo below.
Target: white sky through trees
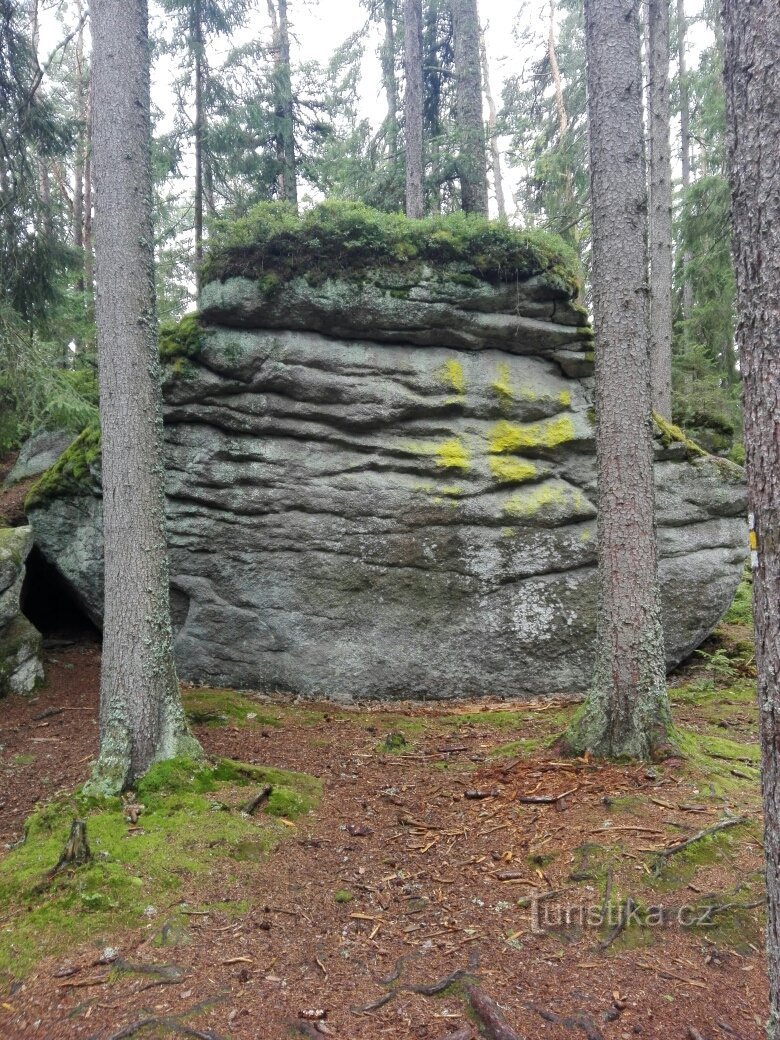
(516, 37)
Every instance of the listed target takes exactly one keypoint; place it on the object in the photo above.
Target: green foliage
(706, 383)
(74, 473)
(741, 611)
(346, 239)
(547, 146)
(191, 826)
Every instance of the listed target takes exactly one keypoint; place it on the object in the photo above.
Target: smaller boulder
(21, 667)
(38, 454)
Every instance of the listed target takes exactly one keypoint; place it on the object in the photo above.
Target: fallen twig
(623, 919)
(545, 799)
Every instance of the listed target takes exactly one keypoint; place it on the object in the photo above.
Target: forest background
(220, 97)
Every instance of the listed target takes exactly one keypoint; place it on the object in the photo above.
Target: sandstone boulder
(384, 486)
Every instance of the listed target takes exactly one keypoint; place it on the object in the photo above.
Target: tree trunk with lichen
(141, 715)
(627, 710)
(752, 79)
(661, 259)
(472, 158)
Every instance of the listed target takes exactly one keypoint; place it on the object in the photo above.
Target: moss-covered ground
(432, 832)
(192, 826)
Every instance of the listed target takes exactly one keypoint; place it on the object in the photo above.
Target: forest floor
(416, 857)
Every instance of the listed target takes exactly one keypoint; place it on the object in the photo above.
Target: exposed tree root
(579, 1020)
(172, 1023)
(490, 1016)
(424, 989)
(259, 799)
(672, 850)
(163, 1023)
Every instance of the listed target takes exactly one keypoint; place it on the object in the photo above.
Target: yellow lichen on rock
(506, 437)
(452, 375)
(529, 503)
(512, 471)
(502, 385)
(451, 454)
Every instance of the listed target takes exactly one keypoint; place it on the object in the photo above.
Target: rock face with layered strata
(385, 487)
(20, 643)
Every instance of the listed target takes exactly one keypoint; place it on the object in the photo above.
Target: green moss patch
(191, 826)
(273, 243)
(74, 473)
(212, 707)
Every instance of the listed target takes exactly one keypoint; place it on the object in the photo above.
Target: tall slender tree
(141, 715)
(413, 108)
(752, 78)
(627, 710)
(472, 160)
(661, 258)
(685, 139)
(283, 95)
(495, 150)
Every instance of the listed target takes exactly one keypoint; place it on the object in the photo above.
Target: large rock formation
(384, 486)
(20, 642)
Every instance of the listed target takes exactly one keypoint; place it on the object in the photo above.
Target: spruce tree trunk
(196, 31)
(495, 152)
(80, 160)
(661, 259)
(286, 108)
(89, 261)
(560, 104)
(752, 79)
(390, 82)
(283, 111)
(627, 711)
(413, 108)
(685, 140)
(141, 715)
(472, 160)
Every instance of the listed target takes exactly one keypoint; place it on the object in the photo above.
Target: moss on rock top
(74, 473)
(273, 243)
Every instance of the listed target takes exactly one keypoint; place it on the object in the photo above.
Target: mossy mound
(273, 244)
(192, 825)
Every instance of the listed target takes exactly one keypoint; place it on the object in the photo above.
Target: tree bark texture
(627, 711)
(495, 151)
(752, 79)
(661, 258)
(472, 161)
(413, 109)
(141, 715)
